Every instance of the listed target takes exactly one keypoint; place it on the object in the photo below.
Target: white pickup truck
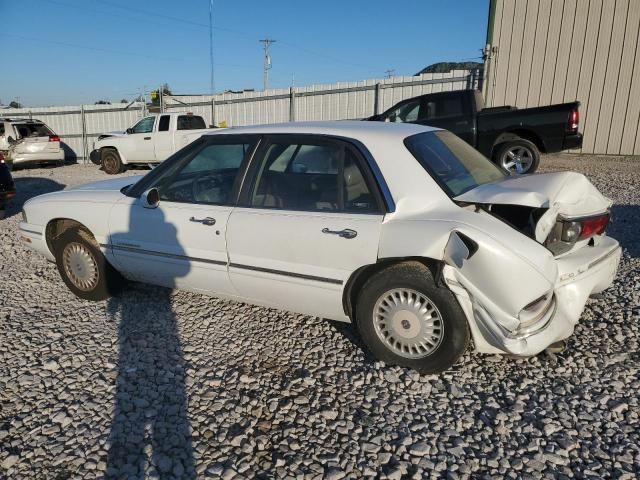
(151, 140)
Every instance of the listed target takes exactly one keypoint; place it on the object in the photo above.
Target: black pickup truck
(511, 137)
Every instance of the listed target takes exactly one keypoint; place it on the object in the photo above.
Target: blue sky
(66, 52)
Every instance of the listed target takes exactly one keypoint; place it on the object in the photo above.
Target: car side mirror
(458, 248)
(11, 140)
(151, 198)
(129, 131)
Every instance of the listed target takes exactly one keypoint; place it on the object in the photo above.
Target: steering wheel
(204, 183)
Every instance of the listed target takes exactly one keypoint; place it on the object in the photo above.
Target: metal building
(551, 51)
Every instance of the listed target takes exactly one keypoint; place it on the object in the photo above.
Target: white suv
(25, 141)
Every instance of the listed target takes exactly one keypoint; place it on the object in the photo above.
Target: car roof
(359, 130)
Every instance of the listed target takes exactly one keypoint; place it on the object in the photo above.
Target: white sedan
(403, 229)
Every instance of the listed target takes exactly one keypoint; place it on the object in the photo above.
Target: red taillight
(54, 138)
(574, 120)
(594, 226)
(1, 157)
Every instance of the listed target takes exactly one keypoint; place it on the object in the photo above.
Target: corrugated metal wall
(554, 51)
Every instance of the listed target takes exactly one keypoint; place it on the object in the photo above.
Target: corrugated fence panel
(343, 100)
(553, 51)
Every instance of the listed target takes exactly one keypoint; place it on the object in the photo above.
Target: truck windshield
(452, 162)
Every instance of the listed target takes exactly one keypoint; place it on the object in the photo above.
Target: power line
(247, 35)
(389, 73)
(266, 66)
(97, 49)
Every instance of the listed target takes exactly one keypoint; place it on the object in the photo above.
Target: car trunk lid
(558, 194)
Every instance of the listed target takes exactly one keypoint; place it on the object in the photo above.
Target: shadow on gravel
(29, 187)
(150, 435)
(625, 222)
(349, 332)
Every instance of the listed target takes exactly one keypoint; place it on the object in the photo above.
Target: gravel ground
(161, 384)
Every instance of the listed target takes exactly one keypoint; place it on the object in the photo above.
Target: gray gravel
(161, 384)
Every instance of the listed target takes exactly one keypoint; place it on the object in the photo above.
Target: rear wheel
(83, 267)
(404, 319)
(111, 162)
(518, 156)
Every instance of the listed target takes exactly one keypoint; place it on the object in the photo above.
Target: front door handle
(147, 138)
(208, 221)
(346, 233)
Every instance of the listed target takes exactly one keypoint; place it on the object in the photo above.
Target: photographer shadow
(150, 434)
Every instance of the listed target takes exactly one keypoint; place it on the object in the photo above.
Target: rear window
(452, 162)
(26, 130)
(190, 122)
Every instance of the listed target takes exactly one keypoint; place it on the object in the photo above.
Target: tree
(15, 104)
(102, 102)
(124, 100)
(444, 67)
(155, 94)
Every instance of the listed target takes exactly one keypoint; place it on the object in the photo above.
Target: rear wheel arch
(358, 278)
(517, 134)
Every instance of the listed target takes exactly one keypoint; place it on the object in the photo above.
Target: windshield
(452, 162)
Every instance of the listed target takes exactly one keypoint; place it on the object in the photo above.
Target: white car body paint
(507, 272)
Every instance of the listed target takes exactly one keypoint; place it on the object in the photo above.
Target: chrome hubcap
(408, 323)
(518, 160)
(80, 266)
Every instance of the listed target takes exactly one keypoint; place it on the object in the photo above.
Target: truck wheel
(111, 162)
(83, 267)
(405, 319)
(518, 157)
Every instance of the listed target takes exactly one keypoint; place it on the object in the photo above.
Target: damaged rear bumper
(580, 274)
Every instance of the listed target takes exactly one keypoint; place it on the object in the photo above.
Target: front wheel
(111, 162)
(83, 267)
(518, 156)
(405, 319)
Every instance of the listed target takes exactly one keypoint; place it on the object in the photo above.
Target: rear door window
(163, 126)
(190, 122)
(312, 176)
(441, 107)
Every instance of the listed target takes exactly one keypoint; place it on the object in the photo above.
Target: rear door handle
(346, 233)
(208, 221)
(147, 138)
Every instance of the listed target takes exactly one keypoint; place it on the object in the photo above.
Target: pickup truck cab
(512, 138)
(151, 140)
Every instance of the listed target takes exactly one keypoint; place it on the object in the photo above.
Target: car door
(141, 147)
(182, 242)
(309, 216)
(162, 139)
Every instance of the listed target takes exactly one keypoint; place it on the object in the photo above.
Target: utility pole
(389, 73)
(212, 85)
(266, 66)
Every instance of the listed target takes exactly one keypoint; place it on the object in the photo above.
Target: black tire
(415, 276)
(107, 281)
(530, 152)
(111, 162)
